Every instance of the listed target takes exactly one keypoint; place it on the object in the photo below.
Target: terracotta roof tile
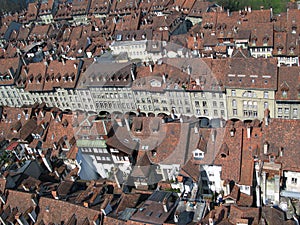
(288, 84)
(63, 12)
(8, 69)
(32, 76)
(198, 9)
(61, 74)
(285, 139)
(55, 211)
(252, 73)
(13, 200)
(46, 7)
(39, 32)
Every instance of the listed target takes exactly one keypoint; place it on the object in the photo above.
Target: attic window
(149, 213)
(294, 29)
(153, 152)
(284, 93)
(254, 41)
(198, 154)
(265, 40)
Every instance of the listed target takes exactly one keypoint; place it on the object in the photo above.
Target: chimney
(150, 67)
(119, 122)
(258, 204)
(75, 66)
(63, 61)
(266, 116)
(104, 127)
(213, 135)
(228, 12)
(249, 9)
(211, 218)
(188, 69)
(271, 13)
(54, 194)
(249, 128)
(281, 151)
(20, 219)
(172, 114)
(196, 129)
(26, 71)
(266, 148)
(127, 123)
(232, 131)
(164, 78)
(10, 71)
(132, 74)
(165, 205)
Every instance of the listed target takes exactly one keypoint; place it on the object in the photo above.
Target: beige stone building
(250, 88)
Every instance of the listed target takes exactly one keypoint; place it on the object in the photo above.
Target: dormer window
(294, 29)
(279, 49)
(284, 89)
(30, 80)
(265, 40)
(284, 93)
(292, 48)
(153, 152)
(198, 154)
(254, 39)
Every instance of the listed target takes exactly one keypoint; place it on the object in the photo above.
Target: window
(266, 105)
(222, 113)
(284, 94)
(233, 103)
(204, 103)
(295, 111)
(214, 104)
(222, 104)
(233, 93)
(279, 110)
(254, 105)
(205, 112)
(197, 103)
(255, 113)
(266, 94)
(286, 110)
(235, 112)
(294, 180)
(215, 112)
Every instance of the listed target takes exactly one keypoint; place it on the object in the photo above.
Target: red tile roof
(252, 73)
(55, 211)
(289, 83)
